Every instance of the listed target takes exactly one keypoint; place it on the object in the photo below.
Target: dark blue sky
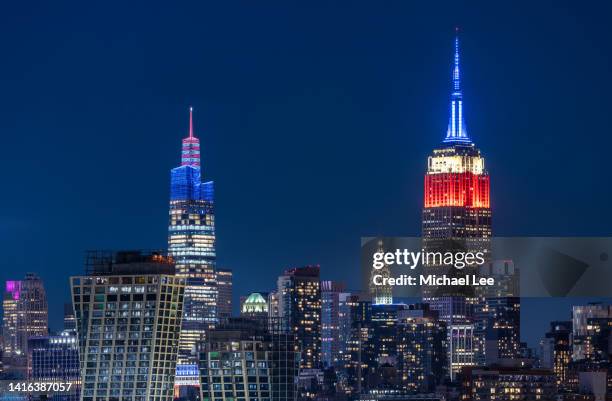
(315, 120)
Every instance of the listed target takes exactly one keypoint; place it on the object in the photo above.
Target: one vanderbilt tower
(191, 243)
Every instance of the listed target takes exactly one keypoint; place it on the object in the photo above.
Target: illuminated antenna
(190, 154)
(190, 122)
(457, 131)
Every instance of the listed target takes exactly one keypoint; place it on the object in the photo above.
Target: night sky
(315, 121)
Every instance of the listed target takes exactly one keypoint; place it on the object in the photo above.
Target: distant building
(397, 395)
(331, 294)
(581, 314)
(224, 284)
(507, 383)
(128, 312)
(458, 314)
(384, 322)
(255, 306)
(273, 305)
(421, 342)
(299, 308)
(360, 362)
(55, 359)
(25, 316)
(498, 327)
(346, 319)
(556, 350)
(598, 340)
(506, 276)
(243, 359)
(69, 319)
(381, 294)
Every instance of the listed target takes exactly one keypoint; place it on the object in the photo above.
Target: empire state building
(456, 218)
(457, 210)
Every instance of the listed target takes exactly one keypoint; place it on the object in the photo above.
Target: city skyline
(286, 254)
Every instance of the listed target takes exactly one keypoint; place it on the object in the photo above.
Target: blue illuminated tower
(191, 243)
(457, 131)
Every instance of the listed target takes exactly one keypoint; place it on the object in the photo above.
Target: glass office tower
(55, 359)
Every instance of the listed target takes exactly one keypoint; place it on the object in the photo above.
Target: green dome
(255, 303)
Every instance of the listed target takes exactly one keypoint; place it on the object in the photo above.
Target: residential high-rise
(421, 343)
(299, 310)
(191, 243)
(128, 313)
(507, 383)
(55, 359)
(456, 217)
(246, 359)
(499, 322)
(383, 324)
(556, 350)
(224, 284)
(25, 316)
(346, 319)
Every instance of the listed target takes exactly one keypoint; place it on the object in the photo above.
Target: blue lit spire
(457, 131)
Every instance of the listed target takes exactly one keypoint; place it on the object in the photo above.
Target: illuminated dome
(255, 303)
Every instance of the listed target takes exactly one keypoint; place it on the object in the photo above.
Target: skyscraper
(581, 314)
(332, 294)
(421, 343)
(299, 309)
(456, 217)
(457, 211)
(55, 359)
(25, 316)
(499, 318)
(381, 294)
(225, 278)
(556, 350)
(191, 243)
(128, 311)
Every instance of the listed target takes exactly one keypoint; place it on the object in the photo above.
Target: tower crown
(190, 154)
(457, 131)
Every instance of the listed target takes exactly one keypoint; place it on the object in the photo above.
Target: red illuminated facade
(457, 189)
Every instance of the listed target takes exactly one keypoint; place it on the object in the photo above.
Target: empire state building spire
(457, 131)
